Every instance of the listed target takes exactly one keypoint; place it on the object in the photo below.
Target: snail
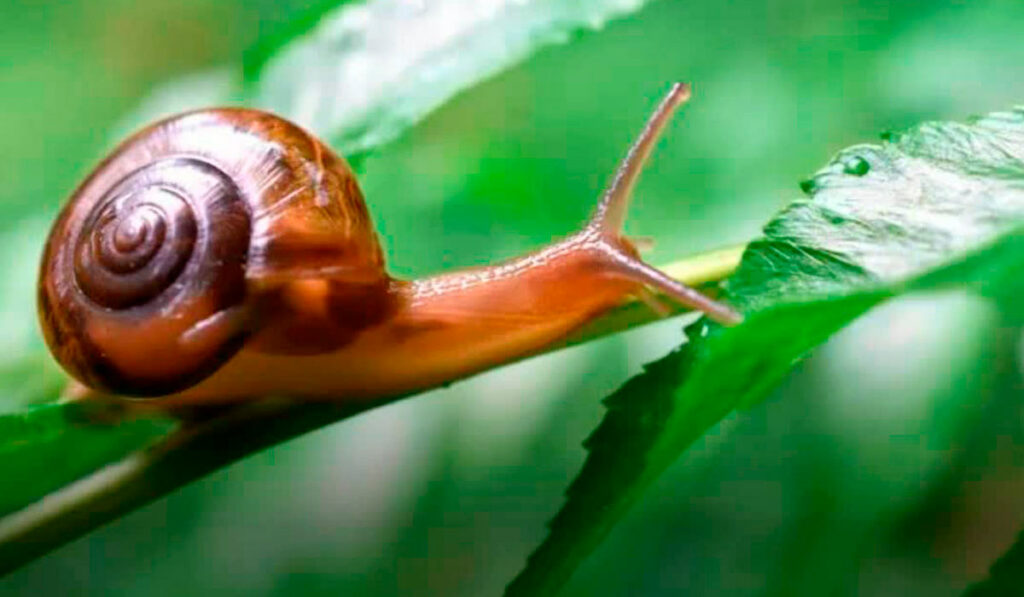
(227, 254)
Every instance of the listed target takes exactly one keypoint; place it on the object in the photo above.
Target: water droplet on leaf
(856, 166)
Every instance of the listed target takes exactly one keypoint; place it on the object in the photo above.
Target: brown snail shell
(147, 272)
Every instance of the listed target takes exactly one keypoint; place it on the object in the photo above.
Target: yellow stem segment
(696, 271)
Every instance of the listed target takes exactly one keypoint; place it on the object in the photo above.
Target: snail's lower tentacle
(635, 269)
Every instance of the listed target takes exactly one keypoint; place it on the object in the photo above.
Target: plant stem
(200, 446)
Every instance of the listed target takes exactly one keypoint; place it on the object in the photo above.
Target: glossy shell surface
(175, 250)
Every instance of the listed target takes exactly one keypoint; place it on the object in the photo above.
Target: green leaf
(362, 73)
(941, 205)
(45, 447)
(359, 74)
(371, 69)
(366, 73)
(1006, 577)
(29, 381)
(279, 32)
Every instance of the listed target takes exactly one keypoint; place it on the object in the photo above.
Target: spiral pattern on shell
(142, 271)
(133, 246)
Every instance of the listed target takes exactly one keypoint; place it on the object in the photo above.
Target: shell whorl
(138, 238)
(148, 278)
(134, 273)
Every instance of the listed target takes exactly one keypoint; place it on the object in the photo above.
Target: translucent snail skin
(228, 254)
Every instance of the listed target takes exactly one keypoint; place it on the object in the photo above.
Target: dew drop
(856, 166)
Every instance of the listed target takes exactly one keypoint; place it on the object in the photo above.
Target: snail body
(228, 254)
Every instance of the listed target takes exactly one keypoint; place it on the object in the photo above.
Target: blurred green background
(888, 464)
